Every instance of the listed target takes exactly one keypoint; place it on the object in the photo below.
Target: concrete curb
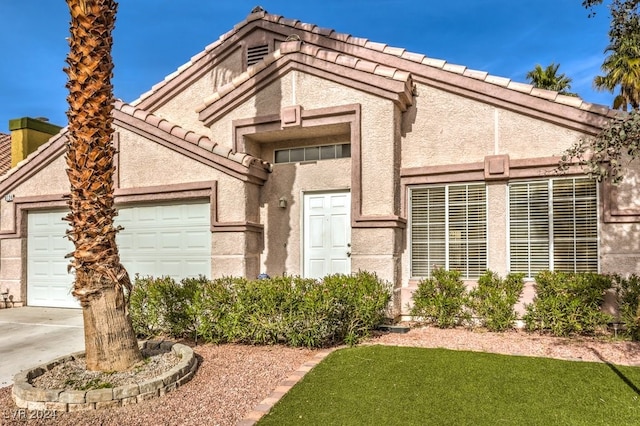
(25, 395)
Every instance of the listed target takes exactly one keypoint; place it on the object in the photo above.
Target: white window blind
(553, 225)
(449, 229)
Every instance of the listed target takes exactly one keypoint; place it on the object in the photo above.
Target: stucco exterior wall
(448, 129)
(181, 108)
(282, 240)
(379, 147)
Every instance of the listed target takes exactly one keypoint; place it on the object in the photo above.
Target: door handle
(348, 254)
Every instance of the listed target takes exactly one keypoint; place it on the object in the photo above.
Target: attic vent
(256, 54)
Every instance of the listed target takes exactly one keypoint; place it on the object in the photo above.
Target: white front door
(327, 234)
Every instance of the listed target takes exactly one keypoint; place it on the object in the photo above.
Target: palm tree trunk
(101, 281)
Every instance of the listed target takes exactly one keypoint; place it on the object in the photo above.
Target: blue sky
(154, 37)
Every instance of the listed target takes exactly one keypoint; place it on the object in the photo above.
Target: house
(286, 148)
(5, 153)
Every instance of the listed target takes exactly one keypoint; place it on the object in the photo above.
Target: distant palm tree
(549, 79)
(101, 281)
(622, 68)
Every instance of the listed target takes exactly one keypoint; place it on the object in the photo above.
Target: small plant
(628, 295)
(95, 383)
(567, 303)
(441, 299)
(494, 298)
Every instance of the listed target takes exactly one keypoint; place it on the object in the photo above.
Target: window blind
(553, 225)
(449, 229)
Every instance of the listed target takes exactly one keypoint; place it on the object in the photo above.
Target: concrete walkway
(31, 336)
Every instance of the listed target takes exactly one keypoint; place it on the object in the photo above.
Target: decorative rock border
(283, 387)
(25, 395)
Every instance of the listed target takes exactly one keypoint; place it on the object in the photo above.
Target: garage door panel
(171, 240)
(145, 240)
(160, 240)
(197, 241)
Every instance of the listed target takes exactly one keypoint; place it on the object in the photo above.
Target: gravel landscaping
(233, 379)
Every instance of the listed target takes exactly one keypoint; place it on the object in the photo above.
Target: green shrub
(568, 303)
(628, 295)
(441, 299)
(160, 306)
(291, 310)
(493, 300)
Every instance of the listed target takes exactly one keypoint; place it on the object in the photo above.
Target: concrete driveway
(31, 336)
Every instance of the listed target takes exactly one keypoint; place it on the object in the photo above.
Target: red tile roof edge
(504, 82)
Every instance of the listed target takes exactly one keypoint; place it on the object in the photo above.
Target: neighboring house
(286, 148)
(5, 153)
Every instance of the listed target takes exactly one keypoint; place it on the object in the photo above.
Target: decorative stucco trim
(197, 147)
(612, 212)
(496, 167)
(528, 168)
(568, 111)
(343, 114)
(128, 196)
(21, 205)
(398, 90)
(391, 221)
(35, 162)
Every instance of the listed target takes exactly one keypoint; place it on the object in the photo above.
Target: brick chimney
(27, 134)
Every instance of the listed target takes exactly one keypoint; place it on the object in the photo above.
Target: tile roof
(259, 14)
(290, 47)
(202, 142)
(5, 153)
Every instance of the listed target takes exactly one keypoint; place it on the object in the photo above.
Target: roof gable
(565, 110)
(201, 148)
(377, 79)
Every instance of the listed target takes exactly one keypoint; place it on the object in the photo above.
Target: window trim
(291, 148)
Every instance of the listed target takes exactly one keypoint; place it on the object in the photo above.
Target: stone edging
(37, 399)
(283, 387)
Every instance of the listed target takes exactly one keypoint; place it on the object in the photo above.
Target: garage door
(172, 240)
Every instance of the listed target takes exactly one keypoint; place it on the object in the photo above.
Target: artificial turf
(388, 385)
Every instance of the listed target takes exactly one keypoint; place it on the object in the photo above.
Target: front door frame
(304, 227)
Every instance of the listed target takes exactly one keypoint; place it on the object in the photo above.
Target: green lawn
(386, 385)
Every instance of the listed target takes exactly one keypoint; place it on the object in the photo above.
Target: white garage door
(160, 240)
(48, 283)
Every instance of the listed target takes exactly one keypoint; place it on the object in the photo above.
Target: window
(449, 229)
(553, 225)
(312, 153)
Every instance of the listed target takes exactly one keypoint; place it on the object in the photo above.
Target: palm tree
(548, 78)
(100, 281)
(622, 68)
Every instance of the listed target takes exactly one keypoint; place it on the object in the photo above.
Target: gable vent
(256, 54)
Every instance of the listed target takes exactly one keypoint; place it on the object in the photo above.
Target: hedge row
(564, 304)
(289, 310)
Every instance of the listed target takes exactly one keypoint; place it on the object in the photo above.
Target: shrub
(628, 295)
(494, 298)
(441, 299)
(291, 310)
(160, 306)
(568, 303)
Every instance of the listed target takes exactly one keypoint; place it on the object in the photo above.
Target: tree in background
(609, 154)
(622, 66)
(101, 280)
(549, 79)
